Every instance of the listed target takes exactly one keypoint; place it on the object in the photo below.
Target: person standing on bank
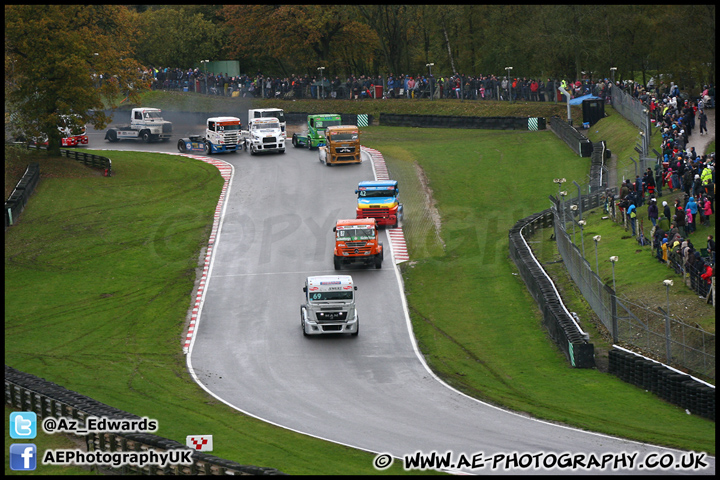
(632, 214)
(653, 211)
(703, 122)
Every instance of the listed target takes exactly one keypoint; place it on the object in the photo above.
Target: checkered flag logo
(200, 443)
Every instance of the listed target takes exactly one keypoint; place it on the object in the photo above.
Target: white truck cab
(146, 124)
(265, 135)
(269, 112)
(329, 306)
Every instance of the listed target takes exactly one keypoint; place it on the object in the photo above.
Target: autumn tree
(298, 38)
(178, 36)
(65, 60)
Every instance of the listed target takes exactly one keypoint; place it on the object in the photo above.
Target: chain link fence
(658, 334)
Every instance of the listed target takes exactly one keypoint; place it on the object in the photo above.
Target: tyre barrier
(27, 392)
(677, 388)
(457, 121)
(560, 325)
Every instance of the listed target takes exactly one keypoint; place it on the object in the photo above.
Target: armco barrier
(682, 390)
(561, 326)
(456, 121)
(30, 393)
(577, 142)
(15, 204)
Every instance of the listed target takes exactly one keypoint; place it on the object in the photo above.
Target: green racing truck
(316, 125)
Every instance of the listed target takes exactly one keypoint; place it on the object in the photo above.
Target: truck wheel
(252, 150)
(208, 149)
(309, 143)
(302, 322)
(378, 261)
(112, 136)
(337, 263)
(357, 328)
(294, 140)
(146, 137)
(181, 146)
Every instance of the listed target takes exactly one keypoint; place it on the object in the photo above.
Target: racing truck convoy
(316, 125)
(146, 124)
(265, 135)
(329, 306)
(222, 134)
(342, 145)
(379, 200)
(357, 241)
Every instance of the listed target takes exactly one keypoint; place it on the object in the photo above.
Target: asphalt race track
(372, 391)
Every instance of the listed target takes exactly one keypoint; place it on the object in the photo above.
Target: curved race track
(372, 391)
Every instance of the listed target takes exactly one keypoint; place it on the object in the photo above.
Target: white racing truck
(264, 135)
(329, 306)
(269, 112)
(146, 124)
(222, 134)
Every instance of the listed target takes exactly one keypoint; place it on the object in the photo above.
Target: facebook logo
(23, 456)
(23, 425)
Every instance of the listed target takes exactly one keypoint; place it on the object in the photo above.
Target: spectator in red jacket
(707, 276)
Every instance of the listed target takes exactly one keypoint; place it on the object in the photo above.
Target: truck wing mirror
(334, 229)
(356, 192)
(305, 289)
(355, 287)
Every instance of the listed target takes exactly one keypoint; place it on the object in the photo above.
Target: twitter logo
(23, 425)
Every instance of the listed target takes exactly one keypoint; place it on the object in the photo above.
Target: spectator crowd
(687, 176)
(458, 86)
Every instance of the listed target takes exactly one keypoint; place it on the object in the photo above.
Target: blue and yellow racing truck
(379, 200)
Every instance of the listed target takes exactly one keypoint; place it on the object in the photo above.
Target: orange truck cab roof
(357, 221)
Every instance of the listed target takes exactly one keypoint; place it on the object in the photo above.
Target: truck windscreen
(279, 114)
(324, 296)
(351, 234)
(344, 137)
(327, 123)
(376, 193)
(262, 126)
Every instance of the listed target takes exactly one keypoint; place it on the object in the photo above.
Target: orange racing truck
(342, 145)
(379, 200)
(357, 241)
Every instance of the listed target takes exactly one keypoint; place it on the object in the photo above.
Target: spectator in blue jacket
(692, 206)
(632, 214)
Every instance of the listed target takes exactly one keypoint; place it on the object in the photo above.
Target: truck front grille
(332, 328)
(374, 212)
(344, 150)
(269, 140)
(167, 128)
(330, 316)
(355, 244)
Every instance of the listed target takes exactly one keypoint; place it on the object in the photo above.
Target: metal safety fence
(657, 333)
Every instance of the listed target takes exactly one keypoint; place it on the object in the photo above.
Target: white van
(329, 306)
